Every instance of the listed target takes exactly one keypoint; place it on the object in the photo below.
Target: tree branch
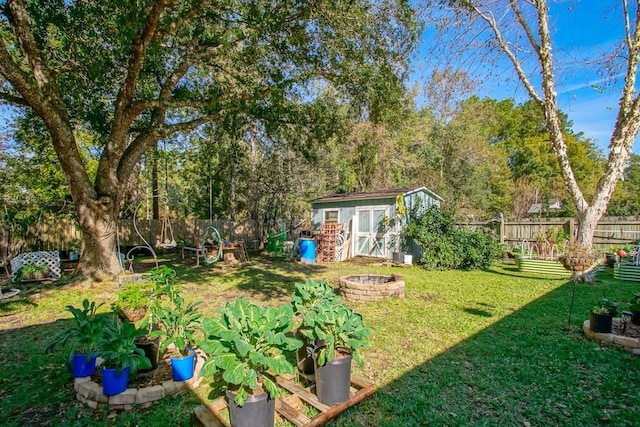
(136, 60)
(14, 99)
(525, 26)
(490, 19)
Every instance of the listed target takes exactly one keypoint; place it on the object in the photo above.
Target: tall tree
(138, 71)
(519, 31)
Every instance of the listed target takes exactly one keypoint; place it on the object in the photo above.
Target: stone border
(371, 287)
(630, 344)
(90, 393)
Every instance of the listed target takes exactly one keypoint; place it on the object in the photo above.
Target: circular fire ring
(371, 287)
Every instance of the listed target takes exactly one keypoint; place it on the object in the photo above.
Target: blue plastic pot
(182, 367)
(83, 367)
(112, 383)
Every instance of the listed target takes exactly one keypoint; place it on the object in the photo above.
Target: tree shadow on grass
(526, 369)
(517, 273)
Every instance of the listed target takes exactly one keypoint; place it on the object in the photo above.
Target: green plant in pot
(132, 301)
(344, 334)
(180, 321)
(306, 297)
(120, 355)
(74, 249)
(602, 314)
(160, 285)
(82, 335)
(34, 272)
(247, 342)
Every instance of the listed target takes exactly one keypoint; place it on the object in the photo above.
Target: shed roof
(373, 195)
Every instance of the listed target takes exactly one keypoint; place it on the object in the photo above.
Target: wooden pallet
(289, 407)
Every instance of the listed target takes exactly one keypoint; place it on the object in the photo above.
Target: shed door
(371, 236)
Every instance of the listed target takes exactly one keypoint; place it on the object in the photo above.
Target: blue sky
(584, 31)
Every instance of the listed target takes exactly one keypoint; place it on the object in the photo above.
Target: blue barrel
(308, 251)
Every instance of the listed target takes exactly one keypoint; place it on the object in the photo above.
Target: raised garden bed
(290, 407)
(541, 266)
(630, 272)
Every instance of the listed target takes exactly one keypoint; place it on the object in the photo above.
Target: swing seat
(167, 244)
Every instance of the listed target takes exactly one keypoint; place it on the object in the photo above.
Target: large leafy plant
(180, 321)
(309, 294)
(337, 325)
(245, 342)
(83, 332)
(162, 285)
(117, 348)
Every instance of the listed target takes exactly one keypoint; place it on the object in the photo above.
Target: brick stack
(327, 241)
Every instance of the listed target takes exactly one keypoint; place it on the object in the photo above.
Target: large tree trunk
(98, 222)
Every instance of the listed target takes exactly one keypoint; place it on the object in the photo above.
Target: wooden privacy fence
(48, 236)
(611, 231)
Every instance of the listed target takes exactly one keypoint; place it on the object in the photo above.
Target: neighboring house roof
(553, 204)
(379, 194)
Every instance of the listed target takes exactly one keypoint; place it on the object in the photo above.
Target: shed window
(331, 216)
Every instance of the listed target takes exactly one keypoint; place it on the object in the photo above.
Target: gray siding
(347, 210)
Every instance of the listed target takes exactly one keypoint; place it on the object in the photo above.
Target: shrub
(447, 246)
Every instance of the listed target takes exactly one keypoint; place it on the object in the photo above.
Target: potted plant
(74, 250)
(601, 315)
(132, 301)
(82, 334)
(306, 297)
(343, 333)
(34, 272)
(634, 308)
(160, 285)
(179, 321)
(120, 355)
(578, 257)
(245, 342)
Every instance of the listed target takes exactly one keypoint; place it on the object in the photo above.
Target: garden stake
(574, 279)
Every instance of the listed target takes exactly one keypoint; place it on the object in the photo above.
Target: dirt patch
(364, 260)
(147, 379)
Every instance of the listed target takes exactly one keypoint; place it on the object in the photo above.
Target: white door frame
(372, 235)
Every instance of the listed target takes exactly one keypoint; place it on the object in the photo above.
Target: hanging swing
(166, 240)
(211, 239)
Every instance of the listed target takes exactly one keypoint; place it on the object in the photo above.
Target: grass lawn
(463, 348)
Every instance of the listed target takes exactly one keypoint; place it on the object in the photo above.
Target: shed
(369, 218)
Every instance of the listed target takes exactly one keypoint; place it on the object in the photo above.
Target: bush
(446, 246)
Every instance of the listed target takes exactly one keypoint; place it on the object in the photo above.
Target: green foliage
(606, 306)
(245, 342)
(308, 295)
(31, 271)
(446, 246)
(634, 303)
(163, 285)
(116, 346)
(337, 325)
(132, 296)
(179, 323)
(83, 332)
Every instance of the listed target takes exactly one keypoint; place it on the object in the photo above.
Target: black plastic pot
(258, 410)
(305, 356)
(611, 259)
(333, 380)
(600, 322)
(150, 348)
(635, 318)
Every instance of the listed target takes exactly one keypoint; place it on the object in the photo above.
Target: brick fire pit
(371, 287)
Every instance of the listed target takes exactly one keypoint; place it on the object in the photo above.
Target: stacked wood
(328, 241)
